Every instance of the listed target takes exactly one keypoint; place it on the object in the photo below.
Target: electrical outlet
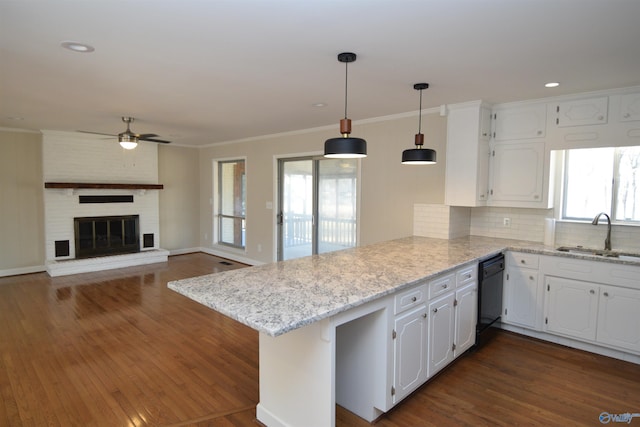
(506, 222)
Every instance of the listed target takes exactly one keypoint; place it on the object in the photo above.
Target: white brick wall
(72, 157)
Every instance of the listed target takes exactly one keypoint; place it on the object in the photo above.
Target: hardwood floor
(118, 348)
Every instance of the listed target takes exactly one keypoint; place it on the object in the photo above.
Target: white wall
(21, 210)
(180, 198)
(388, 188)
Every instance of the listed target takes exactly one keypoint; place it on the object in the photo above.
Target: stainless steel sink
(627, 256)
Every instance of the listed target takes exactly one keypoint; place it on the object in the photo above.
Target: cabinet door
(466, 304)
(441, 333)
(619, 317)
(517, 173)
(571, 307)
(630, 107)
(410, 349)
(582, 112)
(468, 133)
(522, 122)
(520, 299)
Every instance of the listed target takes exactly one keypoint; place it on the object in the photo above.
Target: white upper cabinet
(520, 122)
(467, 170)
(518, 177)
(630, 107)
(582, 112)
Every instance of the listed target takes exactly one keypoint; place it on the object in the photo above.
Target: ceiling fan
(128, 139)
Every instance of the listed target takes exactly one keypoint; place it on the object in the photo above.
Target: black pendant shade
(419, 155)
(346, 146)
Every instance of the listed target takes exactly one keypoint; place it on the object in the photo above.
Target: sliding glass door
(317, 206)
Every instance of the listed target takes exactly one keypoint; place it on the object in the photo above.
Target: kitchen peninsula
(325, 321)
(299, 306)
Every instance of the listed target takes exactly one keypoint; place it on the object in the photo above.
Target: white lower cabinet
(521, 305)
(410, 350)
(433, 324)
(619, 317)
(596, 302)
(466, 305)
(441, 332)
(572, 307)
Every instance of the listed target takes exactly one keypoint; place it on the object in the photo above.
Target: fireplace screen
(106, 235)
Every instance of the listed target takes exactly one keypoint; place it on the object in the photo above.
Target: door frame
(277, 201)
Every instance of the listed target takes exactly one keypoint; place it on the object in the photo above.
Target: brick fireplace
(87, 178)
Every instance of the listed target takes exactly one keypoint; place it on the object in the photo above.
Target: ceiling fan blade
(96, 133)
(147, 135)
(155, 140)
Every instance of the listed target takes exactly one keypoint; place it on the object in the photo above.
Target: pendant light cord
(420, 116)
(346, 79)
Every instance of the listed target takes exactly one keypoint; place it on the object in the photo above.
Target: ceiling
(202, 72)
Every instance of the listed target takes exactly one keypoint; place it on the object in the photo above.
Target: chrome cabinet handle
(522, 261)
(444, 286)
(435, 310)
(606, 294)
(592, 292)
(424, 315)
(530, 277)
(414, 299)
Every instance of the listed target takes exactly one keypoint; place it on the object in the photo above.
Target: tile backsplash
(523, 224)
(448, 222)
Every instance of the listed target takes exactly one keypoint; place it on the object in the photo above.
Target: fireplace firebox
(106, 235)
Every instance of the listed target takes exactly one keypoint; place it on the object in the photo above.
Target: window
(232, 190)
(602, 180)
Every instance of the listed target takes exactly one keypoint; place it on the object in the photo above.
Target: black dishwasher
(490, 272)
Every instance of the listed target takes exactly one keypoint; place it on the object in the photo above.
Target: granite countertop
(279, 297)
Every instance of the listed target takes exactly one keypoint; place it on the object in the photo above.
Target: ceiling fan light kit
(419, 155)
(345, 147)
(129, 140)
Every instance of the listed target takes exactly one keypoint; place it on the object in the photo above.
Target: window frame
(615, 182)
(219, 216)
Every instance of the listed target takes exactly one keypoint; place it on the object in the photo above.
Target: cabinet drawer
(441, 285)
(466, 275)
(518, 259)
(410, 298)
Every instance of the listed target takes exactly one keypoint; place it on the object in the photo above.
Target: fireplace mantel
(95, 185)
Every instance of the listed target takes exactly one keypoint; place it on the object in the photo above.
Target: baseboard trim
(22, 270)
(230, 255)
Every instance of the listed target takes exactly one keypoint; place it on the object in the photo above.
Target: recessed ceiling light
(552, 84)
(77, 47)
(319, 105)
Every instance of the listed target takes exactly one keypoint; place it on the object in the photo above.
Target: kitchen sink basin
(626, 256)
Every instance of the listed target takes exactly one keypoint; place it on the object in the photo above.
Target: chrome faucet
(607, 241)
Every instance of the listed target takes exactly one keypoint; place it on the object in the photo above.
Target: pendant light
(345, 147)
(419, 155)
